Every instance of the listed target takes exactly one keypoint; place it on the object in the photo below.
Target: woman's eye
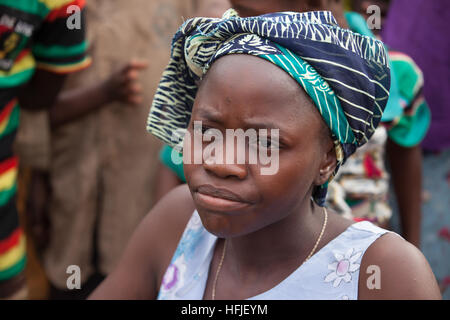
(204, 129)
(201, 129)
(267, 143)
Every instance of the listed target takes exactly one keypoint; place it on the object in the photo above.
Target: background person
(37, 50)
(418, 28)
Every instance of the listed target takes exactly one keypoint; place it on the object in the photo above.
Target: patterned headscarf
(345, 74)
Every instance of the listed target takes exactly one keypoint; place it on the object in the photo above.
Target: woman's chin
(216, 224)
(224, 226)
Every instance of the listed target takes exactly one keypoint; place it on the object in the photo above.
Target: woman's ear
(327, 166)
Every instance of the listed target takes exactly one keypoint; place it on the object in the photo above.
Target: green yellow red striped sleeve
(21, 71)
(60, 46)
(12, 240)
(9, 222)
(8, 184)
(13, 257)
(9, 118)
(14, 270)
(8, 175)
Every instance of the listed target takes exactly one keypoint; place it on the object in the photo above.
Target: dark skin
(167, 180)
(41, 91)
(280, 206)
(406, 172)
(274, 206)
(247, 8)
(123, 85)
(405, 162)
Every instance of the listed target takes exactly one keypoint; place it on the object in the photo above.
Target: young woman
(235, 233)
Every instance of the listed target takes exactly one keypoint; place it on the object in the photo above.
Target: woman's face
(245, 92)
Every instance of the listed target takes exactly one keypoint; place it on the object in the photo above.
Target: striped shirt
(44, 34)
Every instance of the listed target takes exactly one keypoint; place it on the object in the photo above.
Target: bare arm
(150, 249)
(120, 86)
(166, 180)
(404, 273)
(42, 90)
(75, 103)
(406, 167)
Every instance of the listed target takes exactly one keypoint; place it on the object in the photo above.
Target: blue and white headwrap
(346, 74)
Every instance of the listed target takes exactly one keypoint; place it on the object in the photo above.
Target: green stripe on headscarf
(321, 94)
(319, 91)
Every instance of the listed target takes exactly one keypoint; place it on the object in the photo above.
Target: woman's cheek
(295, 173)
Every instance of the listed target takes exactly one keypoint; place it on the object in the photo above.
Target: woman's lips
(216, 199)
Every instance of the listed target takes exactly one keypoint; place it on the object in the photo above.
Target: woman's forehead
(244, 78)
(253, 91)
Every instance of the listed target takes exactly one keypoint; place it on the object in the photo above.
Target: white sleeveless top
(331, 273)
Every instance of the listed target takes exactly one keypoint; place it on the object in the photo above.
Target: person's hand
(124, 85)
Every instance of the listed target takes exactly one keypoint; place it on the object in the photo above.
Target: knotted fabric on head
(345, 74)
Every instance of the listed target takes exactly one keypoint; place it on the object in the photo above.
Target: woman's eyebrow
(214, 116)
(210, 115)
(283, 132)
(261, 124)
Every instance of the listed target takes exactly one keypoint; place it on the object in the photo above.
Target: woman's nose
(224, 169)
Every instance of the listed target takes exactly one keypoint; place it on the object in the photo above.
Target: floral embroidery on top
(187, 275)
(174, 276)
(170, 277)
(344, 265)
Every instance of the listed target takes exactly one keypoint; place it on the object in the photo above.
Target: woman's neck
(286, 242)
